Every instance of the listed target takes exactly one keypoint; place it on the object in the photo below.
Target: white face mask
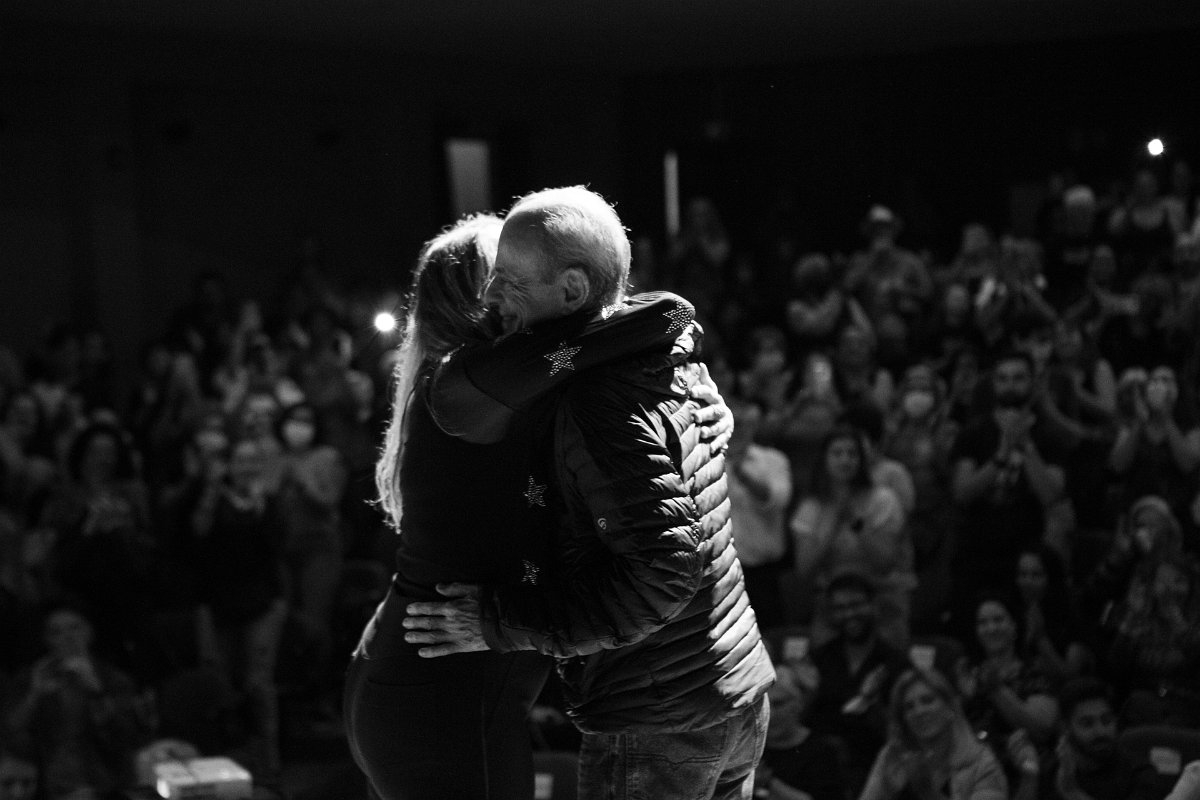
(918, 404)
(298, 434)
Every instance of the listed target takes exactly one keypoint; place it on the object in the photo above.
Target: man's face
(1012, 383)
(517, 289)
(853, 614)
(18, 779)
(1092, 729)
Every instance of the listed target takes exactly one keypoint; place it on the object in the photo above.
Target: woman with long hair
(1003, 692)
(931, 751)
(456, 727)
(1052, 641)
(848, 523)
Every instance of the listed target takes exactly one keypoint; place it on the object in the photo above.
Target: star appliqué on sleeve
(608, 311)
(561, 358)
(535, 493)
(679, 316)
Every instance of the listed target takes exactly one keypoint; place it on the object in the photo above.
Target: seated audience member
(18, 776)
(1002, 692)
(165, 408)
(951, 330)
(27, 469)
(1081, 379)
(857, 378)
(78, 715)
(1088, 763)
(885, 470)
(856, 669)
(798, 423)
(1053, 641)
(1145, 533)
(310, 497)
(819, 309)
(1157, 450)
(930, 750)
(767, 378)
(920, 436)
(104, 552)
(237, 534)
(1155, 647)
(1006, 478)
(848, 523)
(796, 763)
(1145, 225)
(886, 278)
(760, 488)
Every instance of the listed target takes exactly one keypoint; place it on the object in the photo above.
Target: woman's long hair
(443, 312)
(821, 485)
(899, 732)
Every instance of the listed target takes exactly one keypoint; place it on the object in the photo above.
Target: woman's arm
(972, 481)
(1185, 447)
(1045, 480)
(812, 535)
(1124, 449)
(1037, 714)
(883, 536)
(474, 394)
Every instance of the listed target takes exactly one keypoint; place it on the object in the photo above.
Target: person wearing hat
(886, 278)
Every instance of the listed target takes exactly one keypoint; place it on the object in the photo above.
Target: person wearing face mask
(1006, 477)
(310, 496)
(1157, 451)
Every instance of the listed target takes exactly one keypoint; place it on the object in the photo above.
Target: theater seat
(787, 643)
(555, 775)
(941, 652)
(1168, 749)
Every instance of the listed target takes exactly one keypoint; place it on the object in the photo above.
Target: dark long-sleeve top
(473, 510)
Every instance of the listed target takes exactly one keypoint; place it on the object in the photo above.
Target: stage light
(385, 322)
(1154, 147)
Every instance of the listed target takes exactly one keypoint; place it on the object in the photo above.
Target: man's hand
(450, 627)
(713, 416)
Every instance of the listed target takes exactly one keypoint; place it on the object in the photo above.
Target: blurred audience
(994, 452)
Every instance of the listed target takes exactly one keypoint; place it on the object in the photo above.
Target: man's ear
(574, 285)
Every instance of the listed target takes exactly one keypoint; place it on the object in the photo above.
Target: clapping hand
(1022, 753)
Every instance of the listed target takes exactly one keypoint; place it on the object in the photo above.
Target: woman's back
(470, 510)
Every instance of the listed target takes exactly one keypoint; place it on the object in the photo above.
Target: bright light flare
(385, 322)
(1155, 147)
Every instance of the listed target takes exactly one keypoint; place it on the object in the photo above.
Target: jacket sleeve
(475, 392)
(621, 486)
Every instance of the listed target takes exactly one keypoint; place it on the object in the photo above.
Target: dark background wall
(130, 163)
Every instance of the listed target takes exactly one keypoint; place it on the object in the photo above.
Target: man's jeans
(716, 762)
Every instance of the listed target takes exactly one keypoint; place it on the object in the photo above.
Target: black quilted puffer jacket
(643, 601)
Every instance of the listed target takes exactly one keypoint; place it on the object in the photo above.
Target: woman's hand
(1022, 753)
